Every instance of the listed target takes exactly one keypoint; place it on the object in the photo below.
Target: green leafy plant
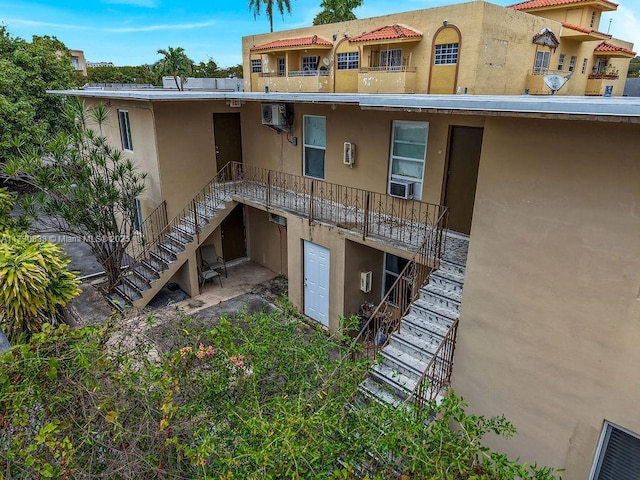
(254, 396)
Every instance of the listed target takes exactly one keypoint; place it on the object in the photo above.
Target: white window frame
(391, 58)
(282, 66)
(348, 61)
(561, 62)
(572, 63)
(394, 176)
(603, 443)
(446, 54)
(125, 130)
(541, 62)
(256, 65)
(305, 146)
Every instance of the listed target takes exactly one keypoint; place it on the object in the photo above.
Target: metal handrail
(386, 317)
(438, 372)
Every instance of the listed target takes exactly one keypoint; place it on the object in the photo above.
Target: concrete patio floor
(243, 277)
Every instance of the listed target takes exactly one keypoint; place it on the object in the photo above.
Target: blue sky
(129, 32)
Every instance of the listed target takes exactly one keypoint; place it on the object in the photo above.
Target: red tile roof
(587, 30)
(388, 32)
(551, 3)
(607, 47)
(294, 42)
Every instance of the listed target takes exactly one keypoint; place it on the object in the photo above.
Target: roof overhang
(546, 5)
(606, 49)
(582, 34)
(619, 109)
(303, 43)
(388, 34)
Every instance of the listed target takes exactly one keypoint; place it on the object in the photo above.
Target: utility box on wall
(365, 281)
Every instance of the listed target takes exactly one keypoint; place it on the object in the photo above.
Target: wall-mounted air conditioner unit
(280, 220)
(349, 154)
(365, 281)
(402, 188)
(274, 114)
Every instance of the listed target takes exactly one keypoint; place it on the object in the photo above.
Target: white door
(316, 282)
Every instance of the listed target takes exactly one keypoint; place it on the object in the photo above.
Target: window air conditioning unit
(402, 188)
(274, 114)
(349, 155)
(365, 281)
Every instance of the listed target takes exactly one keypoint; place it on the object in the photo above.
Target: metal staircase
(161, 251)
(419, 354)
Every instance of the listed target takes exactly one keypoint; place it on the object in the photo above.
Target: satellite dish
(326, 61)
(555, 82)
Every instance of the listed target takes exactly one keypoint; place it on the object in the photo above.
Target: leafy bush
(264, 396)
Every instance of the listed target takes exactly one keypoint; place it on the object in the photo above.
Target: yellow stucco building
(474, 48)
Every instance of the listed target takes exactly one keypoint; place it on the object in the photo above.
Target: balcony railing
(405, 223)
(402, 68)
(308, 73)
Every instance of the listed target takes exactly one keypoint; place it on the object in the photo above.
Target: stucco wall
(551, 309)
(361, 258)
(266, 241)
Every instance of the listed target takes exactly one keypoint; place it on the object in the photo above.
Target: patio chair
(208, 274)
(211, 260)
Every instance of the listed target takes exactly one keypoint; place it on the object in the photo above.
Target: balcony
(295, 81)
(401, 79)
(597, 83)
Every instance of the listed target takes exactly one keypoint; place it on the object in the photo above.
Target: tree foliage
(634, 67)
(175, 63)
(262, 396)
(27, 71)
(34, 280)
(85, 187)
(255, 6)
(334, 11)
(145, 74)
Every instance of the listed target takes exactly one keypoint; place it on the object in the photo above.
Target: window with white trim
(125, 130)
(391, 58)
(446, 54)
(256, 66)
(348, 60)
(541, 65)
(408, 153)
(282, 66)
(572, 63)
(618, 454)
(315, 145)
(561, 62)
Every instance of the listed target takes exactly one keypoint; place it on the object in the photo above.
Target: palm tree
(336, 11)
(175, 63)
(254, 6)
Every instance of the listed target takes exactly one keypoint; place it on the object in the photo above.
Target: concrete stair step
(169, 250)
(118, 302)
(162, 258)
(145, 272)
(447, 281)
(432, 312)
(378, 392)
(155, 262)
(185, 228)
(137, 283)
(453, 267)
(128, 293)
(400, 384)
(406, 363)
(420, 327)
(421, 348)
(441, 298)
(179, 237)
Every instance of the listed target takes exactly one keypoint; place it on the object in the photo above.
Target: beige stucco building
(542, 200)
(474, 48)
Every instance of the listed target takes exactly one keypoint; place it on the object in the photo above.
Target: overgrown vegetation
(259, 396)
(334, 11)
(85, 187)
(27, 71)
(35, 283)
